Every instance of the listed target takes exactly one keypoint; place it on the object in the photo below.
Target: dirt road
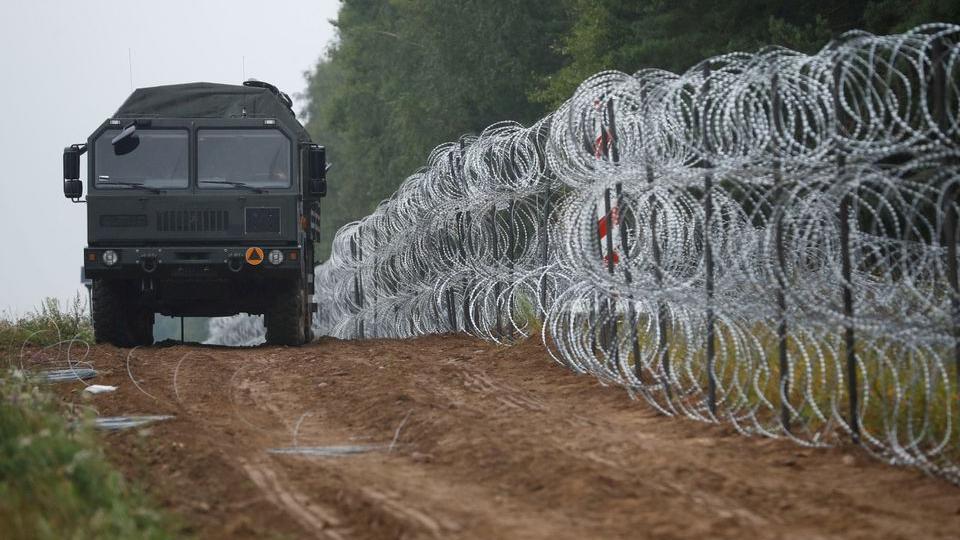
(472, 441)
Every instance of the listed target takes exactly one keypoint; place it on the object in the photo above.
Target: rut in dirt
(470, 440)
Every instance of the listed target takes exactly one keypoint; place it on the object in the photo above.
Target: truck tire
(284, 319)
(117, 319)
(141, 325)
(307, 318)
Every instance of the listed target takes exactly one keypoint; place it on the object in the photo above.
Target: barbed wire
(767, 240)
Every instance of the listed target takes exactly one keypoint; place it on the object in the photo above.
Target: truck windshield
(151, 158)
(242, 158)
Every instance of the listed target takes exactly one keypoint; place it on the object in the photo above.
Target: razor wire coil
(767, 240)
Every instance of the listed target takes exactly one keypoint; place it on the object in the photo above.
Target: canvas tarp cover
(209, 100)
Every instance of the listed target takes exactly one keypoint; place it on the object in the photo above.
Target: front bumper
(191, 262)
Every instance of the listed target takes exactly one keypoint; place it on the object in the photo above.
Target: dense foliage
(55, 481)
(406, 75)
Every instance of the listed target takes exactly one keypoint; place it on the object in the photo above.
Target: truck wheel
(141, 326)
(284, 320)
(308, 319)
(116, 317)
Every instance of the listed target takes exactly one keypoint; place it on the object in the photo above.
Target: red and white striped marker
(602, 233)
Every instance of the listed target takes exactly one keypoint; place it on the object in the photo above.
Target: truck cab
(202, 200)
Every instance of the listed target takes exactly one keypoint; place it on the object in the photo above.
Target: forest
(403, 76)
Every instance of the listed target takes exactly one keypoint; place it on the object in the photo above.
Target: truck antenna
(243, 68)
(130, 64)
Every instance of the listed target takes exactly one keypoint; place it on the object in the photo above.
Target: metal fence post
(376, 250)
(462, 224)
(849, 331)
(610, 330)
(357, 254)
(608, 149)
(708, 261)
(663, 347)
(511, 251)
(495, 234)
(464, 242)
(631, 309)
(360, 291)
(594, 307)
(544, 245)
(849, 335)
(449, 295)
(782, 330)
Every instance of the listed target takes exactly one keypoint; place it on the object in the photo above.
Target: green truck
(203, 200)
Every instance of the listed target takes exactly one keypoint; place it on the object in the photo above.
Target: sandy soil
(477, 441)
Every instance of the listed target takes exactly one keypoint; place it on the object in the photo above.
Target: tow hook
(148, 264)
(235, 263)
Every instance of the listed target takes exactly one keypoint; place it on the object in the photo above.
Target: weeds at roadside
(55, 481)
(50, 323)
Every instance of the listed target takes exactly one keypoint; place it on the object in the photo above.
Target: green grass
(906, 391)
(51, 322)
(527, 316)
(55, 481)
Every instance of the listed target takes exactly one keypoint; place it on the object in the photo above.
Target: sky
(65, 67)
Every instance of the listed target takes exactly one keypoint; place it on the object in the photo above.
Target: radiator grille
(193, 220)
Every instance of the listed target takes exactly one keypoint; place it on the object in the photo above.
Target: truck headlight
(109, 257)
(275, 257)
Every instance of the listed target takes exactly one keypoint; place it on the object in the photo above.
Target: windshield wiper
(235, 184)
(135, 185)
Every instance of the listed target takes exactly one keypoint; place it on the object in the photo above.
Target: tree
(405, 76)
(629, 35)
(675, 35)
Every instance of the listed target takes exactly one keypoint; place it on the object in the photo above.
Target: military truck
(203, 200)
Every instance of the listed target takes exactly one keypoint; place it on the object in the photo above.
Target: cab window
(153, 158)
(231, 158)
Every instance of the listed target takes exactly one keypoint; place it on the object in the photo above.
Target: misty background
(380, 87)
(65, 68)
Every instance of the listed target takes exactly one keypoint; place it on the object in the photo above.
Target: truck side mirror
(71, 163)
(72, 185)
(316, 171)
(73, 189)
(316, 162)
(318, 188)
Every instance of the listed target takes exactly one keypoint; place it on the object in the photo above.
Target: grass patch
(526, 316)
(50, 323)
(55, 481)
(906, 394)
